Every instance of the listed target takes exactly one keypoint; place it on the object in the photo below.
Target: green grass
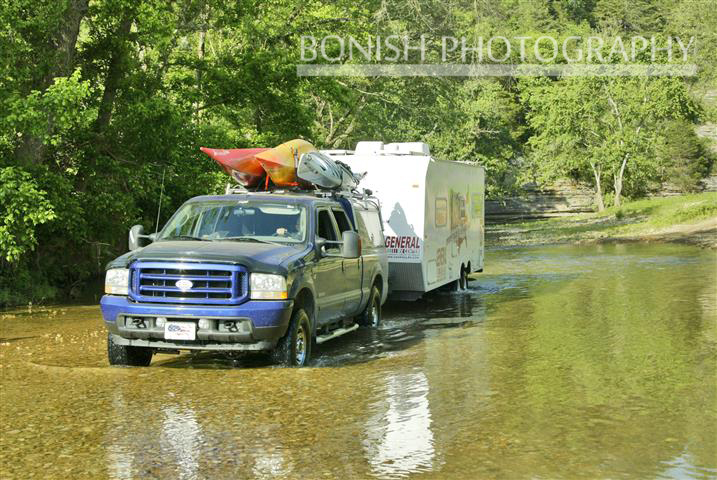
(640, 217)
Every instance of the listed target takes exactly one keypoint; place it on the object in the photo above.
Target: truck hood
(263, 257)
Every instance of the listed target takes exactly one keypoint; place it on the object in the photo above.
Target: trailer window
(441, 212)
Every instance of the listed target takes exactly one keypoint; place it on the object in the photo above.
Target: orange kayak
(280, 162)
(240, 163)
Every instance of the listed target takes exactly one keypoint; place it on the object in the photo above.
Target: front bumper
(253, 325)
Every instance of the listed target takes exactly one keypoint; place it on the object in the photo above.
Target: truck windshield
(232, 221)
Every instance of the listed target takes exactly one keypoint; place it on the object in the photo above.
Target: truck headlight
(265, 286)
(117, 281)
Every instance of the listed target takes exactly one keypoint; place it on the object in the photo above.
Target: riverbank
(689, 219)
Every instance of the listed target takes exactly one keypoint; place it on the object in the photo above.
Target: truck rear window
(374, 229)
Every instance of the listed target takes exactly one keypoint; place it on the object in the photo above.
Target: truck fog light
(160, 321)
(205, 324)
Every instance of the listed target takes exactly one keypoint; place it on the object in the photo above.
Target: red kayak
(240, 163)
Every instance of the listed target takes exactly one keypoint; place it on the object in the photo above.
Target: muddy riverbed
(559, 362)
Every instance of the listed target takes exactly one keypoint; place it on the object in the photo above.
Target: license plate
(180, 331)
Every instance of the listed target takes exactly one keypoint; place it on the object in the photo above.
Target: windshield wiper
(248, 239)
(186, 237)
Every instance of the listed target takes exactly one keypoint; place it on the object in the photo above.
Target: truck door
(329, 277)
(351, 269)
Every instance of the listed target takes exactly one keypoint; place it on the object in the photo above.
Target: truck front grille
(189, 283)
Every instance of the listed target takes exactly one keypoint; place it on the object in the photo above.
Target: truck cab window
(342, 221)
(326, 229)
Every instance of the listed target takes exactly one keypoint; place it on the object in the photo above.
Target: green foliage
(24, 206)
(603, 129)
(52, 114)
(100, 100)
(683, 157)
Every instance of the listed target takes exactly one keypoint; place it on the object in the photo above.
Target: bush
(685, 157)
(23, 207)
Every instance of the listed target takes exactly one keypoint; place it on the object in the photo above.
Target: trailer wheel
(126, 355)
(294, 348)
(463, 281)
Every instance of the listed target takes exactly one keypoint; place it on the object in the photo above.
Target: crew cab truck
(265, 271)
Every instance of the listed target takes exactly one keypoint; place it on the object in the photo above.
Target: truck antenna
(161, 191)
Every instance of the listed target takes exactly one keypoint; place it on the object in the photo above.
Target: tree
(604, 126)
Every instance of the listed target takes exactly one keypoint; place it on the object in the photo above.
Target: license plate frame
(174, 330)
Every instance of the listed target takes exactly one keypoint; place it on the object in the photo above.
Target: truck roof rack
(363, 194)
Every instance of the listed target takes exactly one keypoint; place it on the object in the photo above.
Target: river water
(558, 362)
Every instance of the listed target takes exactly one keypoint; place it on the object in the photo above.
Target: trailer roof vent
(407, 148)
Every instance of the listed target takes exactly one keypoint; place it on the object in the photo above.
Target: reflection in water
(399, 438)
(270, 465)
(171, 436)
(119, 459)
(180, 440)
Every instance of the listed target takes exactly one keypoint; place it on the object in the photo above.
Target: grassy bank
(687, 219)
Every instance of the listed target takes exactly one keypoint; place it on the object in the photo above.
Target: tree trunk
(64, 43)
(617, 181)
(203, 21)
(66, 38)
(114, 74)
(597, 173)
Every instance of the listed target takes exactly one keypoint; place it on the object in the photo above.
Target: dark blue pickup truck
(275, 272)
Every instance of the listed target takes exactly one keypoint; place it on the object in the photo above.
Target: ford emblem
(184, 285)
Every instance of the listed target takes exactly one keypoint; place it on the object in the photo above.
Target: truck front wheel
(126, 355)
(294, 348)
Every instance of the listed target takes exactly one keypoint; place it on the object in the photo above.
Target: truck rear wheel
(294, 348)
(127, 355)
(371, 317)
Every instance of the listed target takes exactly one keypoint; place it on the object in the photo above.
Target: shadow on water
(405, 324)
(15, 339)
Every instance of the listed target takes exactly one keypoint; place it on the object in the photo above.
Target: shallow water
(559, 362)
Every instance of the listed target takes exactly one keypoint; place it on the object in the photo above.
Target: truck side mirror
(136, 234)
(351, 244)
(321, 246)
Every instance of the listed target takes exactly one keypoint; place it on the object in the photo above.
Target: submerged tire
(463, 280)
(371, 316)
(128, 356)
(294, 348)
(461, 283)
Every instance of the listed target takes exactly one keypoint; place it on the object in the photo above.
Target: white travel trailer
(433, 215)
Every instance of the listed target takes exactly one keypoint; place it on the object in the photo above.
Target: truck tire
(371, 316)
(126, 355)
(294, 348)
